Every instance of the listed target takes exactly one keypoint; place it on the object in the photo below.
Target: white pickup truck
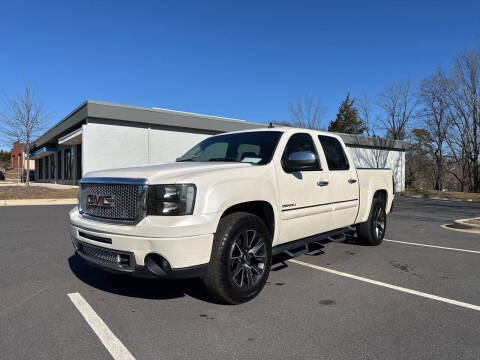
(222, 210)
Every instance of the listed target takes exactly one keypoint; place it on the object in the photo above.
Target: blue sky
(240, 59)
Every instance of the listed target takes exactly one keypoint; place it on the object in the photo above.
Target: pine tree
(347, 120)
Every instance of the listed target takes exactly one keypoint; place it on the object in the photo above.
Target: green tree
(419, 164)
(4, 159)
(347, 120)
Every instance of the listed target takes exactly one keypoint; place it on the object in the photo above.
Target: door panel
(343, 181)
(305, 207)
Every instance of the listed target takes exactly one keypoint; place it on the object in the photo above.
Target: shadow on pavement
(125, 285)
(161, 289)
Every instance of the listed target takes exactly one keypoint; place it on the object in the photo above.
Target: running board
(297, 253)
(334, 235)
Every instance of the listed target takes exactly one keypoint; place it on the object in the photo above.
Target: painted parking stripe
(433, 246)
(106, 336)
(394, 287)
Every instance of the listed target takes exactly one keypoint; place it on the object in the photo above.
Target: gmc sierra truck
(222, 210)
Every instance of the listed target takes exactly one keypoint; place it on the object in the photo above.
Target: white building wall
(382, 158)
(166, 146)
(109, 146)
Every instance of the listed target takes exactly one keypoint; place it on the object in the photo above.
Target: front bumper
(166, 257)
(128, 265)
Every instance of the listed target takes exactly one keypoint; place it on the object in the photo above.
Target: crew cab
(222, 210)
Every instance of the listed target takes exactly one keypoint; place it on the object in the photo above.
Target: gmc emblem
(100, 200)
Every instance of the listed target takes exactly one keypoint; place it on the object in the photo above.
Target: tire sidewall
(248, 222)
(377, 240)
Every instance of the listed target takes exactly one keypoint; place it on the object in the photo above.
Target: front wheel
(372, 231)
(241, 258)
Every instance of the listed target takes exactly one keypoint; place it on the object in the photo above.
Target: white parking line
(394, 287)
(433, 246)
(106, 336)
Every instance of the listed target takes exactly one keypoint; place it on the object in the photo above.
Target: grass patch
(36, 192)
(442, 194)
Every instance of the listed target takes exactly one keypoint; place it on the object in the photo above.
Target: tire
(372, 231)
(239, 265)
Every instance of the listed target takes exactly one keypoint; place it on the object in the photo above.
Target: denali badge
(100, 200)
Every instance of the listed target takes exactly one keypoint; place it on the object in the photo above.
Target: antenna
(270, 125)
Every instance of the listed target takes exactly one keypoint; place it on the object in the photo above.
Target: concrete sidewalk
(28, 202)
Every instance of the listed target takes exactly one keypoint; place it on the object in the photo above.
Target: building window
(68, 162)
(47, 166)
(40, 169)
(59, 165)
(79, 161)
(52, 166)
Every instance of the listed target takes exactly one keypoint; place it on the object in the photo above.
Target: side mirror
(301, 160)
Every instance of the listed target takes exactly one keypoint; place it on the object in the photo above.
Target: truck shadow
(163, 289)
(125, 285)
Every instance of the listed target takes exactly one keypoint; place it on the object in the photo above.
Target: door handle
(322, 183)
(352, 181)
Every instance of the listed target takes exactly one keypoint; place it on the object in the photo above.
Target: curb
(30, 202)
(437, 198)
(462, 224)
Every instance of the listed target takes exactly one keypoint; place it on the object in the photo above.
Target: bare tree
(365, 108)
(398, 100)
(436, 120)
(464, 96)
(23, 116)
(307, 113)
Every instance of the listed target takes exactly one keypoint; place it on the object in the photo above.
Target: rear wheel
(241, 258)
(372, 231)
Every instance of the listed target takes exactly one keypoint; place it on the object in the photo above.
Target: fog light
(75, 243)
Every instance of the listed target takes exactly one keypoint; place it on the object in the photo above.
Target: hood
(171, 172)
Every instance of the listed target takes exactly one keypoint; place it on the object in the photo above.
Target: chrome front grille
(126, 199)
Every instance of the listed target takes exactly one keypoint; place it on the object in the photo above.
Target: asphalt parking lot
(400, 300)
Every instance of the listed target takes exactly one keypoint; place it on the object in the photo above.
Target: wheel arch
(262, 209)
(381, 195)
(376, 189)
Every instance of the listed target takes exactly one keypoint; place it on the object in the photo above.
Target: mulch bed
(35, 192)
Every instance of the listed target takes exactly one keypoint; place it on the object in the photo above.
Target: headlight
(170, 200)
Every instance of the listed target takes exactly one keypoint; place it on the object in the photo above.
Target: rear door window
(336, 158)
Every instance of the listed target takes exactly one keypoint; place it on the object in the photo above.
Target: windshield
(254, 147)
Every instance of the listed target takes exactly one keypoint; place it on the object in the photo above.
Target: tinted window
(47, 164)
(59, 165)
(300, 142)
(40, 168)
(255, 147)
(68, 161)
(336, 158)
(212, 151)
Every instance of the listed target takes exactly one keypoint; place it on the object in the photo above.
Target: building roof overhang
(68, 126)
(73, 138)
(44, 151)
